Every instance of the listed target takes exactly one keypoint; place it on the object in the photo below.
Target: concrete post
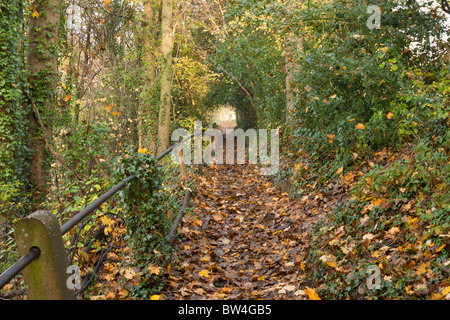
(45, 277)
(182, 165)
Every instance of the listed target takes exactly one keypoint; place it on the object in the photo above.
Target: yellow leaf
(339, 171)
(155, 297)
(107, 2)
(204, 274)
(311, 293)
(67, 97)
(329, 260)
(142, 150)
(440, 248)
(35, 14)
(123, 293)
(154, 270)
(360, 126)
(115, 113)
(206, 259)
(436, 296)
(446, 291)
(111, 295)
(389, 115)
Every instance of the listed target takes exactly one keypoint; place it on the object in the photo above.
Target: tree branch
(47, 144)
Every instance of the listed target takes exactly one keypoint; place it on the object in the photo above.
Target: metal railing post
(45, 277)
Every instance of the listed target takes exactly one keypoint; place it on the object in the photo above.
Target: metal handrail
(18, 266)
(34, 252)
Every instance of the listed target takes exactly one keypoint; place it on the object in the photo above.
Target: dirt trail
(245, 240)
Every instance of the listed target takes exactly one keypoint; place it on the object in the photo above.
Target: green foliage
(143, 201)
(249, 57)
(351, 74)
(423, 174)
(404, 204)
(147, 205)
(13, 122)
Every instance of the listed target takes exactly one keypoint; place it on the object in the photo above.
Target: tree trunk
(166, 76)
(148, 133)
(291, 65)
(43, 69)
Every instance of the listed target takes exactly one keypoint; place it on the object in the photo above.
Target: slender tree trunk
(166, 78)
(148, 133)
(43, 69)
(291, 65)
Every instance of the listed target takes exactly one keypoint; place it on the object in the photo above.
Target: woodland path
(245, 240)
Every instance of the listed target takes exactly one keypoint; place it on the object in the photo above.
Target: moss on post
(46, 276)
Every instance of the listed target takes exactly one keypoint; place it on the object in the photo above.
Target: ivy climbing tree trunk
(12, 114)
(43, 69)
(166, 76)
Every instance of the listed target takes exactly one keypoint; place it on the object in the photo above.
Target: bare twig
(47, 144)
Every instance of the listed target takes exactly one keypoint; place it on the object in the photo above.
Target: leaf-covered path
(245, 240)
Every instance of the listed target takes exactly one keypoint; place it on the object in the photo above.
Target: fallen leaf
(360, 126)
(311, 293)
(299, 293)
(368, 236)
(446, 291)
(129, 273)
(204, 274)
